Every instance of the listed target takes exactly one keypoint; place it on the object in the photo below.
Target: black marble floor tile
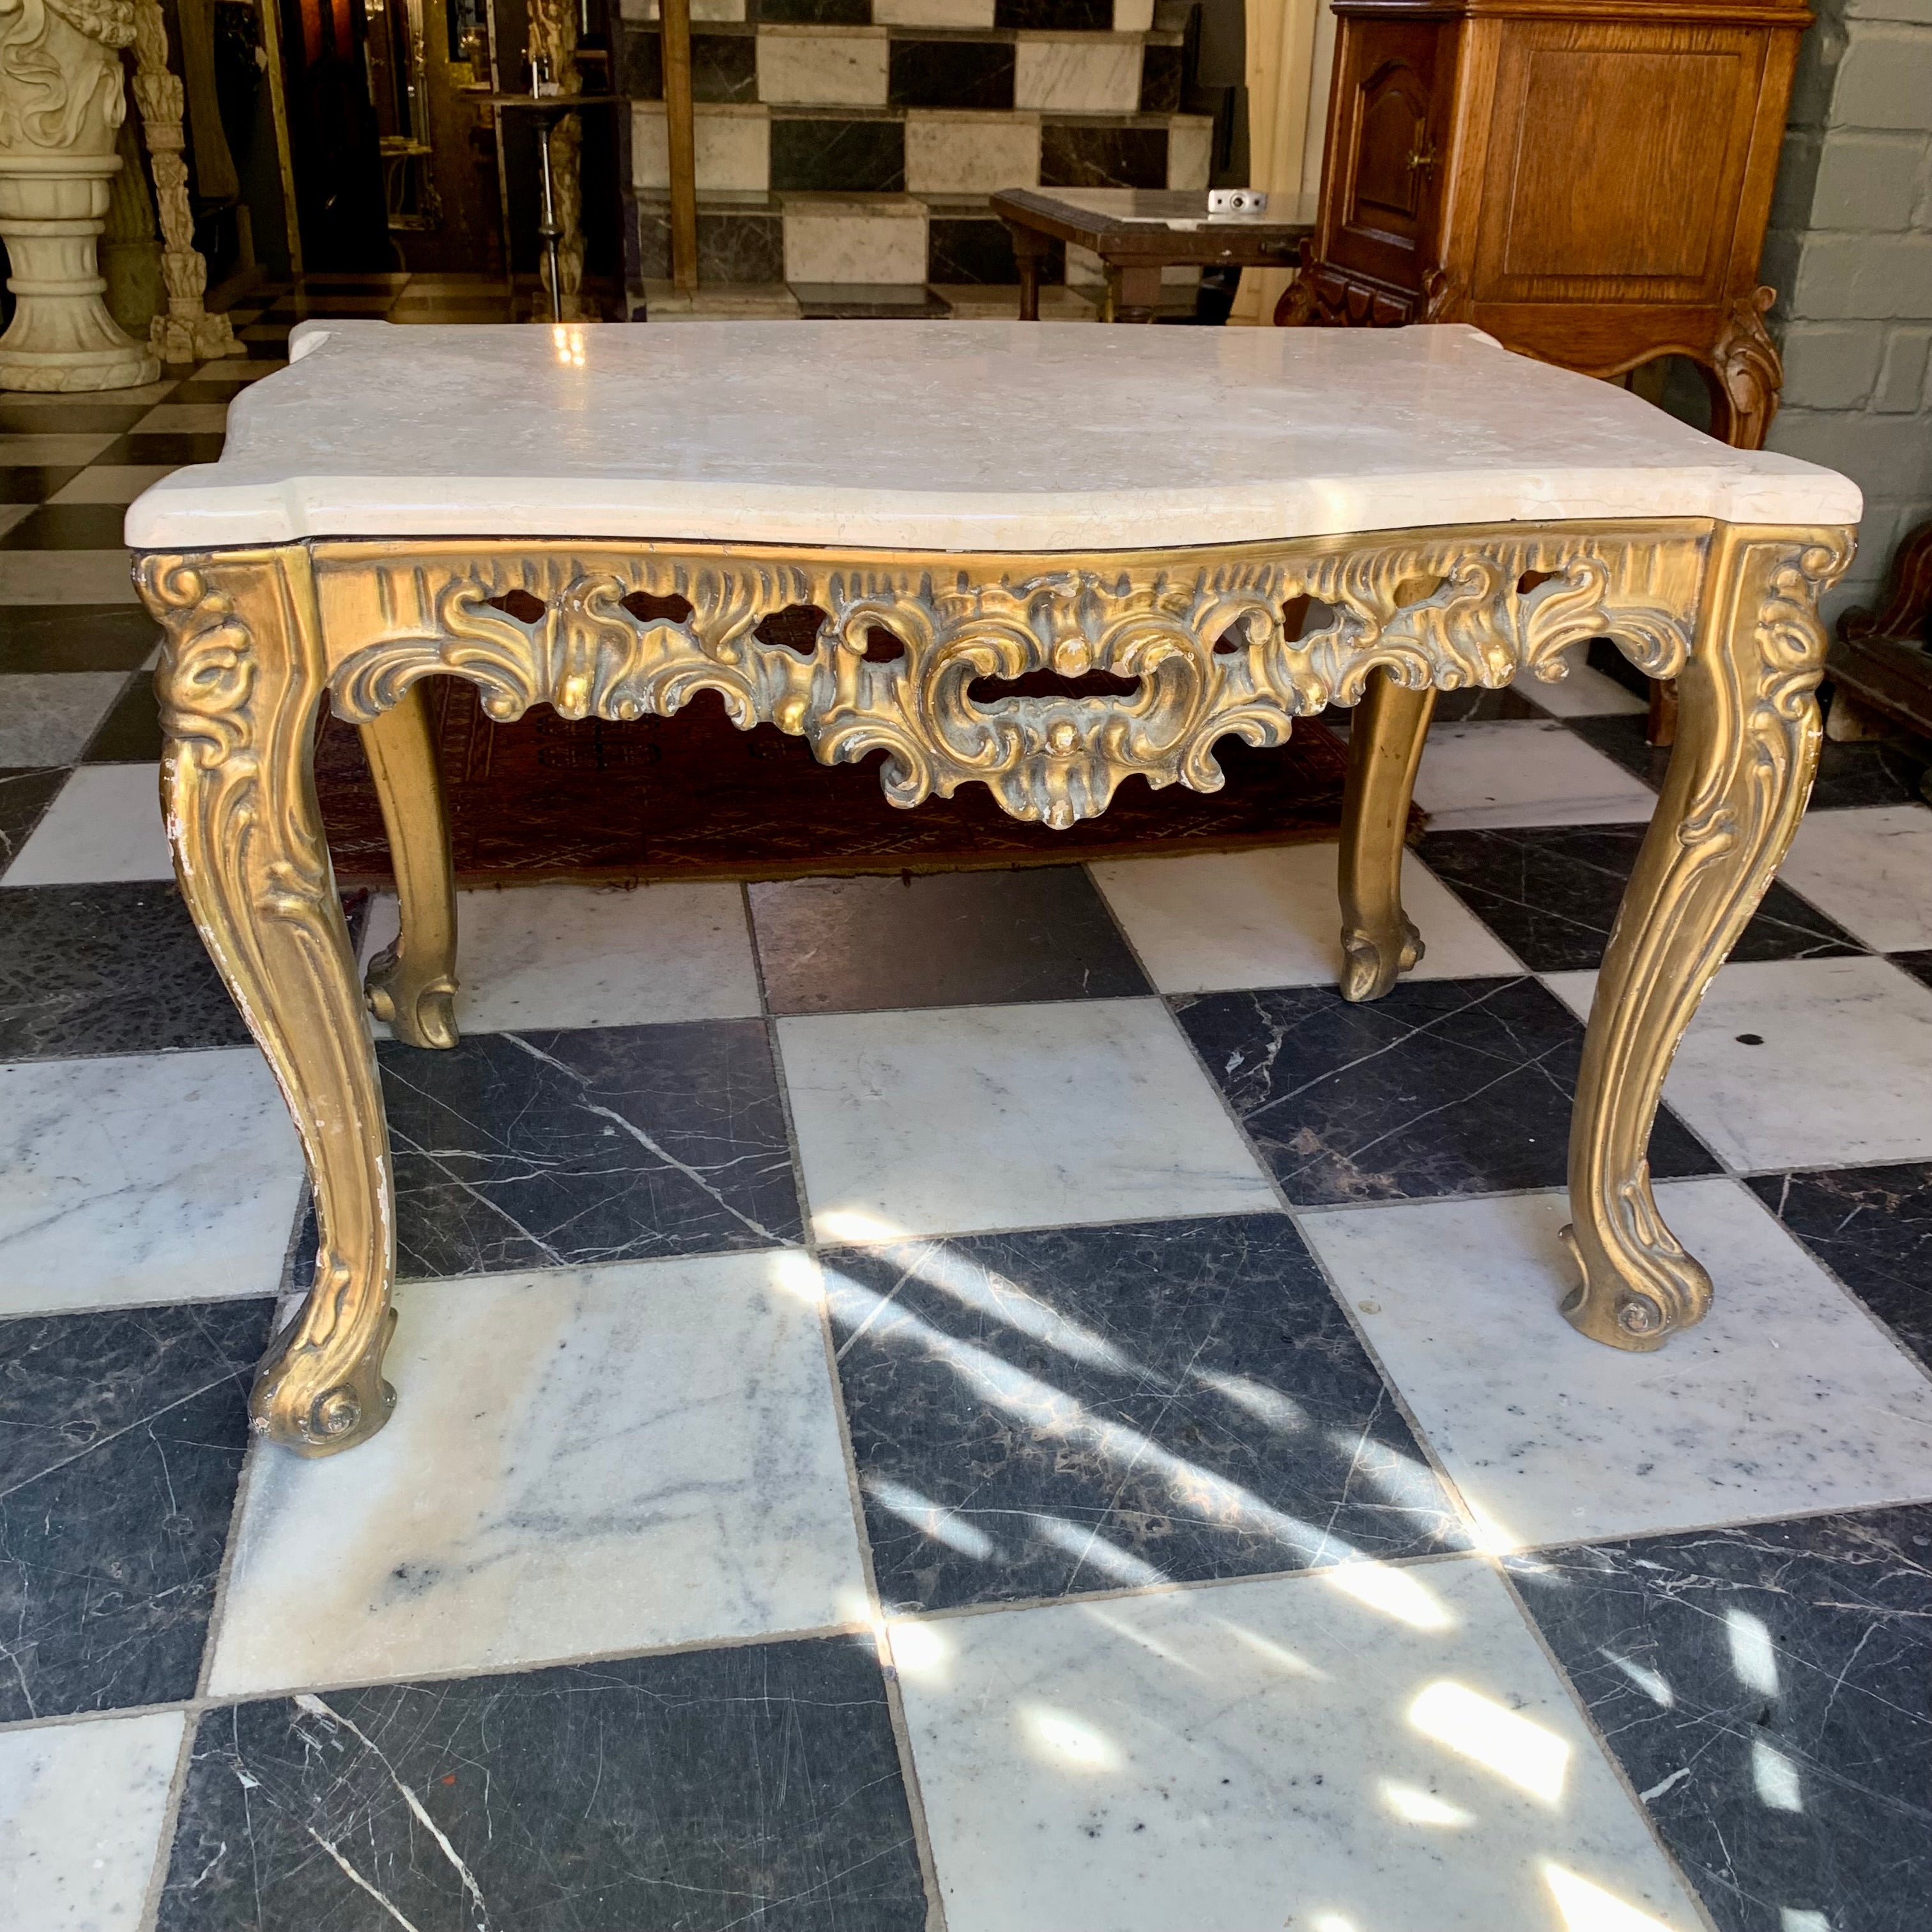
(971, 250)
(121, 1442)
(828, 154)
(1445, 1086)
(723, 65)
(1848, 774)
(211, 391)
(112, 968)
(33, 482)
(1479, 705)
(130, 733)
(947, 939)
(1872, 1227)
(717, 1791)
(1086, 16)
(1079, 154)
(950, 74)
(1765, 1689)
(732, 246)
(25, 793)
(75, 637)
(561, 1149)
(810, 12)
(68, 526)
(26, 416)
(1162, 70)
(1918, 964)
(175, 446)
(1040, 1414)
(862, 301)
(1551, 894)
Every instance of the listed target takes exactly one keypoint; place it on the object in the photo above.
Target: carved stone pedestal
(61, 106)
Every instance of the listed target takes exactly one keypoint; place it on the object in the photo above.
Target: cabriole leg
(411, 984)
(241, 680)
(1748, 739)
(1385, 738)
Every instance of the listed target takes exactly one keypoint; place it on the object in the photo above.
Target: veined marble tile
(1373, 1749)
(832, 239)
(65, 577)
(1764, 1689)
(142, 1178)
(1517, 772)
(1190, 152)
(1584, 693)
(700, 10)
(580, 1461)
(1871, 870)
(24, 796)
(1784, 1398)
(973, 1118)
(1086, 76)
(81, 1811)
(1211, 921)
(969, 154)
(560, 956)
(46, 718)
(814, 67)
(1802, 1062)
(933, 12)
(730, 144)
(51, 450)
(106, 824)
(111, 482)
(1133, 16)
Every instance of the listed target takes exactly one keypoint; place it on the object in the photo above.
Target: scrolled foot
(308, 1398)
(420, 1010)
(1371, 963)
(1639, 1287)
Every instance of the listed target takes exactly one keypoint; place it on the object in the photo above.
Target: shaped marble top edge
(957, 436)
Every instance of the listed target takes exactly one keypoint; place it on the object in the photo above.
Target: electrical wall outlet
(1237, 201)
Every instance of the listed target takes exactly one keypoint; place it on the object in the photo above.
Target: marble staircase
(846, 149)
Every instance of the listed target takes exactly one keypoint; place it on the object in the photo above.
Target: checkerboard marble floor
(997, 1401)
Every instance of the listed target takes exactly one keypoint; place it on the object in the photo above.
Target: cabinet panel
(1616, 162)
(1391, 73)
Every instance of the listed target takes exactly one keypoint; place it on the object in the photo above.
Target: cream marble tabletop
(960, 435)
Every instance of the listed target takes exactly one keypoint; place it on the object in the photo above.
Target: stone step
(877, 67)
(1120, 17)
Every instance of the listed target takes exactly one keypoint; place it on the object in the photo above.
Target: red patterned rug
(693, 797)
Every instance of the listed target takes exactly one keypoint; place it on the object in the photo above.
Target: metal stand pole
(548, 229)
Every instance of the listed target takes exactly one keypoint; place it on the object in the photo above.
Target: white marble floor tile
(53, 448)
(580, 1461)
(1077, 75)
(47, 717)
(197, 418)
(105, 824)
(1215, 920)
(143, 1177)
(590, 956)
(1519, 771)
(1785, 1398)
(65, 577)
(1008, 1116)
(1584, 693)
(11, 514)
(112, 482)
(1802, 1062)
(82, 1807)
(815, 66)
(1373, 1750)
(1871, 870)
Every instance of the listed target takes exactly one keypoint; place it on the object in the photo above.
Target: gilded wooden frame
(258, 638)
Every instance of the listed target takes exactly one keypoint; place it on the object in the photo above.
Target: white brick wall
(1850, 254)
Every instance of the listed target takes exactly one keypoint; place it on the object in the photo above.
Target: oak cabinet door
(1393, 74)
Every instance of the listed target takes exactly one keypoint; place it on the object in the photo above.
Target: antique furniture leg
(1747, 747)
(242, 675)
(1133, 292)
(1385, 738)
(411, 984)
(1029, 252)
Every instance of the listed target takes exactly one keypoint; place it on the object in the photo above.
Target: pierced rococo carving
(1204, 643)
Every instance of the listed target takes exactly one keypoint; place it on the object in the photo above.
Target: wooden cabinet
(1589, 181)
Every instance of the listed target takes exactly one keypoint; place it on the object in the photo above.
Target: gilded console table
(1247, 524)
